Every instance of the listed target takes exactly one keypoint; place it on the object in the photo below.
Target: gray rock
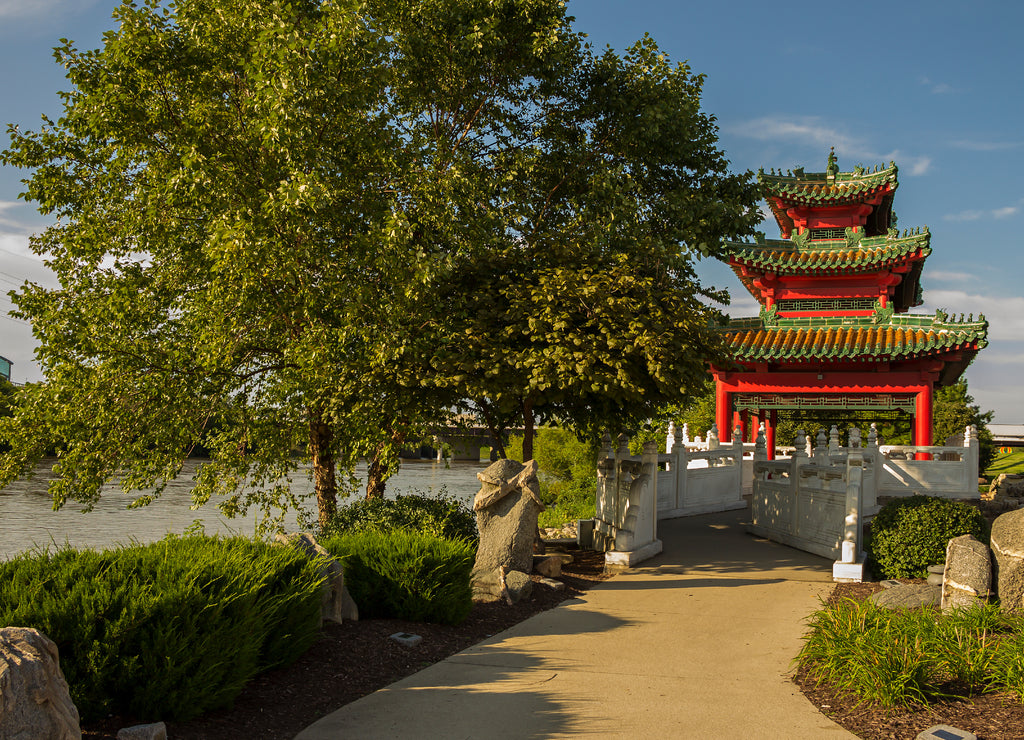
(968, 576)
(935, 574)
(1008, 549)
(908, 596)
(34, 697)
(1008, 485)
(336, 604)
(520, 586)
(498, 584)
(154, 731)
(506, 516)
(548, 566)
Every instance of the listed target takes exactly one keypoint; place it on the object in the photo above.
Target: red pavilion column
(743, 423)
(769, 432)
(723, 412)
(923, 421)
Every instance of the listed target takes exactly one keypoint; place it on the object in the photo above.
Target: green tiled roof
(784, 256)
(880, 337)
(823, 189)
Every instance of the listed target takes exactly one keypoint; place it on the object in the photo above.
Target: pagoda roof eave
(769, 339)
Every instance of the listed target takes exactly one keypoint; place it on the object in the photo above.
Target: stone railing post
(850, 567)
(686, 433)
(670, 438)
(820, 448)
(833, 440)
(971, 458)
(713, 442)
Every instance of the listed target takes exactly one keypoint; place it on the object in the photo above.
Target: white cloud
(951, 277)
(811, 130)
(974, 214)
(938, 88)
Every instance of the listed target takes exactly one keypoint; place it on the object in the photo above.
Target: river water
(27, 520)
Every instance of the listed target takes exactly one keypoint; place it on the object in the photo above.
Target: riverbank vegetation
(174, 629)
(298, 225)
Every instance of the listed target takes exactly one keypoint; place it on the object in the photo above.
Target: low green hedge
(406, 575)
(909, 534)
(439, 516)
(168, 630)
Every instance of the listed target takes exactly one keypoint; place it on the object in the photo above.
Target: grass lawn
(1012, 462)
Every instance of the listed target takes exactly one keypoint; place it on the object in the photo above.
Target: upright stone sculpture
(34, 697)
(967, 578)
(336, 604)
(1008, 549)
(506, 509)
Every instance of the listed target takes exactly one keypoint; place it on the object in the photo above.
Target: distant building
(1008, 437)
(5, 368)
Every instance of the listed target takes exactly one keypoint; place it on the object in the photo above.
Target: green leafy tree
(297, 226)
(587, 309)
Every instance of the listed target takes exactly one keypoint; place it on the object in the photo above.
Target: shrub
(438, 516)
(168, 630)
(406, 575)
(909, 534)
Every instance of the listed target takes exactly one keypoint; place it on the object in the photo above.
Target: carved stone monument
(506, 509)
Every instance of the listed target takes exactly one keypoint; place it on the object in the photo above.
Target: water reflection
(27, 521)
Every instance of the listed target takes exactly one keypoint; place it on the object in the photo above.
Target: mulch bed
(998, 716)
(353, 659)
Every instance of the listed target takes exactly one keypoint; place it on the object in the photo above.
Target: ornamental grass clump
(870, 653)
(168, 630)
(906, 658)
(909, 534)
(407, 575)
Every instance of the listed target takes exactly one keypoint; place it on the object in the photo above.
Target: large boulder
(336, 604)
(1008, 549)
(967, 578)
(34, 697)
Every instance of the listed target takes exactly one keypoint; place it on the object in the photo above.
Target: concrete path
(694, 643)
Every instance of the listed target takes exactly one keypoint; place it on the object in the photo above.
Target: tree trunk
(320, 437)
(492, 427)
(377, 467)
(528, 429)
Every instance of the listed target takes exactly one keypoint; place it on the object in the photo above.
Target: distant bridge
(458, 444)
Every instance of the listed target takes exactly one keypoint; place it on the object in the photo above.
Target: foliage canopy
(305, 226)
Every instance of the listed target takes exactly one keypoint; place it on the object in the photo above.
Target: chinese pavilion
(834, 331)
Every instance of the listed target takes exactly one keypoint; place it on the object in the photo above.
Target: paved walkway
(695, 643)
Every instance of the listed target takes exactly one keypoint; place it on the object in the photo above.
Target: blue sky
(935, 86)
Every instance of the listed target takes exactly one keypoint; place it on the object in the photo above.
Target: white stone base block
(848, 572)
(629, 558)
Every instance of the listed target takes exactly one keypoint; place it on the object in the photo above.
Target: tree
(953, 410)
(587, 310)
(273, 216)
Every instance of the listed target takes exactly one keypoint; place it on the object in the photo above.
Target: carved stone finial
(873, 435)
(820, 441)
(833, 438)
(832, 168)
(686, 433)
(623, 444)
(672, 438)
(606, 445)
(801, 439)
(854, 438)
